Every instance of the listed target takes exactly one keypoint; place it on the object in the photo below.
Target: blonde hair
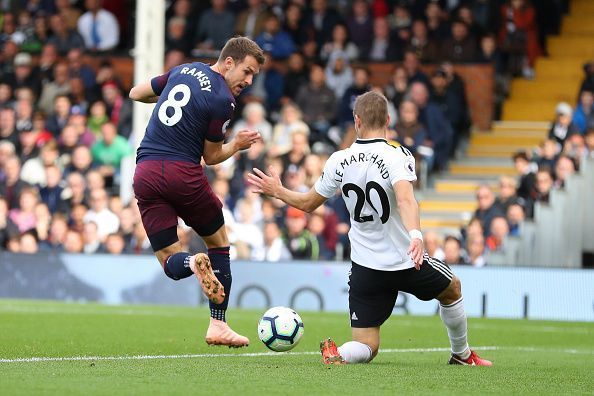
(372, 109)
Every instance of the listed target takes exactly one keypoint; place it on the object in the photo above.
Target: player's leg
(219, 332)
(371, 300)
(159, 219)
(436, 280)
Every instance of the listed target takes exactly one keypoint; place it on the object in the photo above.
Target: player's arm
(409, 213)
(271, 185)
(149, 91)
(217, 152)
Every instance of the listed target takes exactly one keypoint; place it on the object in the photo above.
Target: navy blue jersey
(194, 104)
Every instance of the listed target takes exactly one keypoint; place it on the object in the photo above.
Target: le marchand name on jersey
(202, 78)
(362, 157)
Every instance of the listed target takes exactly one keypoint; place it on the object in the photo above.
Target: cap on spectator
(564, 108)
(294, 213)
(22, 59)
(109, 84)
(440, 73)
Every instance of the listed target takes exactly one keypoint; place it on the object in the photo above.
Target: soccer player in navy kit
(195, 103)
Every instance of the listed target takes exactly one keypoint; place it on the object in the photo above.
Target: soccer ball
(280, 329)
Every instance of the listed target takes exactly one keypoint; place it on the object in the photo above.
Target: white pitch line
(266, 354)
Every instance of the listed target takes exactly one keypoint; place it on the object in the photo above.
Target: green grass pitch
(150, 350)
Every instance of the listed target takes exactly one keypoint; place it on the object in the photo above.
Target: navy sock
(177, 266)
(221, 266)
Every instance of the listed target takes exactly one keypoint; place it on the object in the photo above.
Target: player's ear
(388, 121)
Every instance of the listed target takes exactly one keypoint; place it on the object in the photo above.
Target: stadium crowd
(65, 126)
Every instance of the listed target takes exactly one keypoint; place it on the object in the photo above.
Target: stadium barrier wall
(501, 292)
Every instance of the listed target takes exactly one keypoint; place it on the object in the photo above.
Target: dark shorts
(373, 293)
(167, 190)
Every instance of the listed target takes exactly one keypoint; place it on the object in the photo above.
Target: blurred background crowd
(65, 125)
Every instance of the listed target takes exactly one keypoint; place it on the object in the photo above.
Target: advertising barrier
(502, 292)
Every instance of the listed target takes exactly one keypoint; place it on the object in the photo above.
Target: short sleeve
(402, 165)
(158, 83)
(327, 183)
(221, 111)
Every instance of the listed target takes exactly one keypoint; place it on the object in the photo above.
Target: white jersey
(366, 173)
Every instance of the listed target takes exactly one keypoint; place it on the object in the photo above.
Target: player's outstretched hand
(245, 138)
(265, 184)
(416, 250)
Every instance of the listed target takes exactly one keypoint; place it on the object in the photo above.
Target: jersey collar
(366, 141)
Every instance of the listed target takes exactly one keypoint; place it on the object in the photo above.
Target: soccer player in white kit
(387, 251)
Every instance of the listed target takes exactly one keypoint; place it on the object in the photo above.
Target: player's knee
(456, 288)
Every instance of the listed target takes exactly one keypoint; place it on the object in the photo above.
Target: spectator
(175, 35)
(316, 226)
(340, 43)
(28, 243)
(254, 118)
(461, 46)
(584, 112)
(79, 69)
(78, 121)
(296, 76)
(563, 126)
(64, 38)
(290, 122)
(13, 185)
(397, 87)
(57, 233)
(6, 99)
(299, 150)
(74, 193)
(52, 192)
(526, 174)
(412, 134)
(58, 120)
(400, 18)
(60, 86)
(413, 69)
(98, 27)
(300, 242)
(69, 13)
(140, 243)
(499, 230)
(73, 242)
(47, 61)
(110, 149)
(8, 131)
(24, 216)
(449, 93)
(24, 118)
(547, 153)
(274, 248)
(453, 253)
(515, 217)
(127, 222)
(95, 180)
(119, 108)
(97, 117)
(275, 40)
(543, 185)
(339, 74)
(518, 37)
(249, 236)
(250, 22)
(475, 246)
(436, 23)
(92, 244)
(313, 166)
(575, 148)
(7, 227)
(293, 24)
(81, 160)
(318, 104)
(360, 27)
(382, 47)
(426, 49)
(114, 243)
(320, 20)
(589, 141)
(107, 221)
(25, 75)
(487, 208)
(507, 193)
(564, 168)
(33, 172)
(439, 132)
(294, 178)
(433, 244)
(588, 82)
(215, 26)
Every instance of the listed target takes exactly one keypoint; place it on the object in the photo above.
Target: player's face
(241, 75)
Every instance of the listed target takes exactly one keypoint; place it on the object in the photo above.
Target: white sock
(454, 318)
(355, 352)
